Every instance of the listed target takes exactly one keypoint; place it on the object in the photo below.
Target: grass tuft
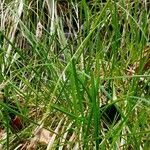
(74, 74)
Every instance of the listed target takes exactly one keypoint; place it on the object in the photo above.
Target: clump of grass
(62, 60)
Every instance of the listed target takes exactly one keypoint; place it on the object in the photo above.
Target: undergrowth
(65, 62)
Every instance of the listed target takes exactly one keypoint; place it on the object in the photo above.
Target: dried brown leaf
(41, 137)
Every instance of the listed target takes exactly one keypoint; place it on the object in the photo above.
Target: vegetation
(74, 74)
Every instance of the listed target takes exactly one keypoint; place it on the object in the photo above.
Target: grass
(61, 61)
